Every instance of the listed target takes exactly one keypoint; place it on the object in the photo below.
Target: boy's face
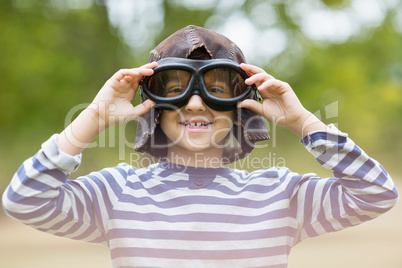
(196, 127)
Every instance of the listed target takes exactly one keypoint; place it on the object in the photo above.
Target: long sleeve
(360, 190)
(40, 195)
(170, 215)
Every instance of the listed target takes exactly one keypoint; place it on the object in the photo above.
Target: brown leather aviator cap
(250, 128)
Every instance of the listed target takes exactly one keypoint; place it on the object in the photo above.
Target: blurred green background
(342, 57)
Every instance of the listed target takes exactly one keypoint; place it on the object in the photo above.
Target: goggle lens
(224, 83)
(169, 83)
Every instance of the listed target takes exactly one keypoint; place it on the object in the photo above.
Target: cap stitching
(191, 33)
(232, 50)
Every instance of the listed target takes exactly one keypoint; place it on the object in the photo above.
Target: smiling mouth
(195, 124)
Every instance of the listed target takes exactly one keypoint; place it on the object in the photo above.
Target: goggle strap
(255, 94)
(258, 95)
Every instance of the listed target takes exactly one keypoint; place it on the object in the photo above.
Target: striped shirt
(176, 216)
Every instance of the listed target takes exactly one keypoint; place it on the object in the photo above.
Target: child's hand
(281, 105)
(110, 107)
(113, 104)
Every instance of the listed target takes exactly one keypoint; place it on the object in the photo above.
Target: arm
(360, 190)
(40, 193)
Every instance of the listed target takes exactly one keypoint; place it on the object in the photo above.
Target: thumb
(141, 109)
(252, 105)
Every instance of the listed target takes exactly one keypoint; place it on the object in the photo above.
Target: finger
(128, 76)
(128, 79)
(273, 86)
(252, 69)
(120, 74)
(150, 65)
(144, 70)
(147, 69)
(258, 79)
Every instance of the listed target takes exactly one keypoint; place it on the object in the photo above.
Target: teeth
(195, 124)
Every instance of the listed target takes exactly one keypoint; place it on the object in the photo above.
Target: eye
(174, 91)
(220, 91)
(216, 90)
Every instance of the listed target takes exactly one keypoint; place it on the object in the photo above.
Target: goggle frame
(196, 85)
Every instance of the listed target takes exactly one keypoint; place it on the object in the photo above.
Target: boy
(190, 210)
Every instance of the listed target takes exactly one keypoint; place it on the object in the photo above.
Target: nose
(195, 104)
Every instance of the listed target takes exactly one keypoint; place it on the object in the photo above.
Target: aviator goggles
(219, 82)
